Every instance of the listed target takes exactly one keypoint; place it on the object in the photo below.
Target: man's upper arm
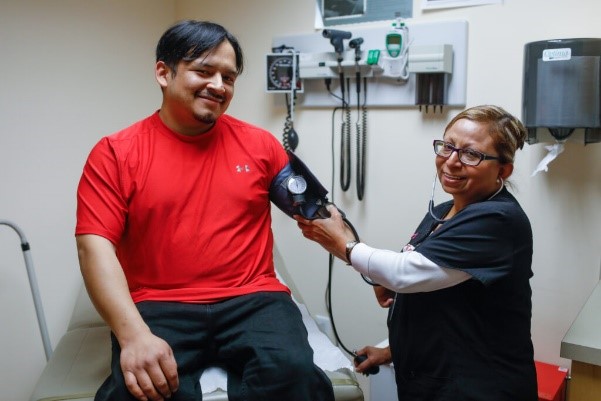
(101, 201)
(98, 262)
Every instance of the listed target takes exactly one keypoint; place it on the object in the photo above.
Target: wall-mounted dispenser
(433, 66)
(562, 90)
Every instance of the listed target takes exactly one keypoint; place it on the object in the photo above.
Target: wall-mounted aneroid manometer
(282, 71)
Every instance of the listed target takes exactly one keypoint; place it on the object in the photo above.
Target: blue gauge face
(297, 185)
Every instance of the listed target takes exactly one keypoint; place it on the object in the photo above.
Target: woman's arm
(397, 271)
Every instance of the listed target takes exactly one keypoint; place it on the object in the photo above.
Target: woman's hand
(375, 357)
(384, 296)
(331, 233)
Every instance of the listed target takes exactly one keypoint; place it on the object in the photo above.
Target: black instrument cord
(331, 258)
(345, 136)
(361, 137)
(345, 133)
(328, 294)
(328, 300)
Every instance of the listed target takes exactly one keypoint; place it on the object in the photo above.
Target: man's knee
(300, 364)
(298, 375)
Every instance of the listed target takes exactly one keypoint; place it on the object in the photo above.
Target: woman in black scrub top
(458, 293)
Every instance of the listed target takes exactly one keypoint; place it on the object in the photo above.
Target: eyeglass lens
(466, 156)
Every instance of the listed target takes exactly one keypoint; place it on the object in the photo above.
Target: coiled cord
(290, 137)
(362, 143)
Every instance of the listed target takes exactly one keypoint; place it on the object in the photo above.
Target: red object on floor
(551, 382)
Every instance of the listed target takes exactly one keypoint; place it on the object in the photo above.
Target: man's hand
(149, 368)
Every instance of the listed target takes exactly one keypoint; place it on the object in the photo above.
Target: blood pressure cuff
(314, 200)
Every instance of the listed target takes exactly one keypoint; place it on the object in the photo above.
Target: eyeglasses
(467, 156)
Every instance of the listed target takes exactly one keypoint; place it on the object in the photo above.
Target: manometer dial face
(297, 185)
(279, 73)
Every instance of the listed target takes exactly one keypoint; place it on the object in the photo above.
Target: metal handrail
(33, 284)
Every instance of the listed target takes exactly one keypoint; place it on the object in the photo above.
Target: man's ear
(162, 73)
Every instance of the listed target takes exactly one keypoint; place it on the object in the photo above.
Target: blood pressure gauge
(279, 73)
(297, 185)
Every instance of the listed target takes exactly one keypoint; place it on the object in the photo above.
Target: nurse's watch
(349, 248)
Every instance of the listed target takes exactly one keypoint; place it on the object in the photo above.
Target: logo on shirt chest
(242, 168)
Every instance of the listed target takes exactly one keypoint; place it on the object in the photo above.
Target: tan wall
(73, 71)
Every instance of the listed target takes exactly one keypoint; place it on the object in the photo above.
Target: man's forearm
(107, 286)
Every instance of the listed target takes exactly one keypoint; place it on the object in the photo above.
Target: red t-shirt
(189, 216)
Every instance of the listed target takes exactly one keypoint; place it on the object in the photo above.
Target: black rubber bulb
(292, 138)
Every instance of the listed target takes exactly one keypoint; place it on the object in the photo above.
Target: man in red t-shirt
(175, 244)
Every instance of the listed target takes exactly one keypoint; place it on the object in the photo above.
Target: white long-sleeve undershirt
(404, 272)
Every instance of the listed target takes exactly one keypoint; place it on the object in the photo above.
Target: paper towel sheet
(554, 151)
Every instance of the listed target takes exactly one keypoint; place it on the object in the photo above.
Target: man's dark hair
(187, 40)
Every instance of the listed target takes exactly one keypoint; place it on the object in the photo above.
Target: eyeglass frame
(483, 156)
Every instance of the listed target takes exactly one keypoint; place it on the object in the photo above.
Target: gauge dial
(297, 185)
(279, 73)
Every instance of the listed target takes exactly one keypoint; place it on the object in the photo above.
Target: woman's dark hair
(187, 40)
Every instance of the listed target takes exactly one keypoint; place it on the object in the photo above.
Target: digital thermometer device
(394, 43)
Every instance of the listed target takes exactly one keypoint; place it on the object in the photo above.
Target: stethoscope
(439, 221)
(431, 203)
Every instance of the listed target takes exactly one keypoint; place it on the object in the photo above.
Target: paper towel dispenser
(562, 90)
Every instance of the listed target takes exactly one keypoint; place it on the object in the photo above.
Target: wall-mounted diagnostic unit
(404, 64)
(421, 64)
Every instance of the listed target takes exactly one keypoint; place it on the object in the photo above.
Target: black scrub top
(471, 341)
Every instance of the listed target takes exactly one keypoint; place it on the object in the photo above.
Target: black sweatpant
(259, 339)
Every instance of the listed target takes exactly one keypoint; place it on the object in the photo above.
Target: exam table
(81, 360)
